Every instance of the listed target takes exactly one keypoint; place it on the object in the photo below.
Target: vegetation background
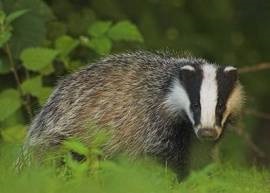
(43, 40)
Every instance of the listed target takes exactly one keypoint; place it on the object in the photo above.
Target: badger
(151, 103)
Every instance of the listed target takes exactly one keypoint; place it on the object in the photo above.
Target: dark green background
(235, 32)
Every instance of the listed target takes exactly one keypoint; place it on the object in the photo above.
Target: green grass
(123, 176)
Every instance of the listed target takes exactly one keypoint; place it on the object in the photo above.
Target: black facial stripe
(191, 81)
(226, 83)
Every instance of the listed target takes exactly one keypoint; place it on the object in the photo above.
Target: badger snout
(207, 134)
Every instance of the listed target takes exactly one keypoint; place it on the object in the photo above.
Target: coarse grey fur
(125, 94)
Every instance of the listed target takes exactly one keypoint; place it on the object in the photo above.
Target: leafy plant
(102, 33)
(37, 59)
(31, 62)
(123, 175)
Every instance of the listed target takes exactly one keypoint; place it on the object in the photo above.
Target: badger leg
(177, 155)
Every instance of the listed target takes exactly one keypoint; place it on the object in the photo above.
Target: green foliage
(102, 45)
(4, 37)
(30, 29)
(225, 178)
(14, 134)
(37, 59)
(102, 33)
(13, 16)
(35, 87)
(4, 67)
(44, 40)
(125, 30)
(10, 102)
(65, 45)
(24, 50)
(122, 175)
(76, 146)
(5, 25)
(99, 28)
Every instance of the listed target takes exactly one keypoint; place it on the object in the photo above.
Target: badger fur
(151, 103)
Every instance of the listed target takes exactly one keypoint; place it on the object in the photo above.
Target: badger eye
(220, 107)
(196, 106)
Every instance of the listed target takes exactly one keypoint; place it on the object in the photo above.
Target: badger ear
(231, 72)
(187, 67)
(186, 73)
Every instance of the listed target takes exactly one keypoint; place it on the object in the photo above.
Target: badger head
(209, 96)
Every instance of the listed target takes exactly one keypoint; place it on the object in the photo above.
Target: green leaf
(99, 28)
(15, 134)
(65, 44)
(16, 118)
(4, 67)
(37, 59)
(125, 30)
(10, 102)
(4, 37)
(77, 168)
(47, 70)
(43, 94)
(34, 87)
(2, 17)
(74, 65)
(102, 45)
(11, 17)
(76, 146)
(100, 138)
(29, 30)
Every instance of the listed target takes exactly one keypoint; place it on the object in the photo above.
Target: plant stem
(26, 103)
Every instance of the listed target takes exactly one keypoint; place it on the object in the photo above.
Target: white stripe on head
(178, 100)
(208, 96)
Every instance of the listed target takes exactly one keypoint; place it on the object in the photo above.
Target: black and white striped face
(208, 95)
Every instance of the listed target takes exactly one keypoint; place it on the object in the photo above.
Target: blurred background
(43, 40)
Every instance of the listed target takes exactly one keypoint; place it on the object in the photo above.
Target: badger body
(150, 103)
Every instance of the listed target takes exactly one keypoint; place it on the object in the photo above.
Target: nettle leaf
(76, 146)
(29, 30)
(125, 30)
(31, 85)
(47, 70)
(11, 17)
(77, 168)
(101, 45)
(4, 37)
(4, 67)
(43, 94)
(16, 118)
(2, 17)
(99, 28)
(65, 44)
(34, 87)
(14, 134)
(10, 102)
(100, 138)
(37, 59)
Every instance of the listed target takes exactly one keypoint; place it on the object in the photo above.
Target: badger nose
(207, 134)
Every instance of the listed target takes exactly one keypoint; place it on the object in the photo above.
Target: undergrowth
(122, 176)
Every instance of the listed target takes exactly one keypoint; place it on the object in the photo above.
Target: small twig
(18, 82)
(258, 114)
(255, 68)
